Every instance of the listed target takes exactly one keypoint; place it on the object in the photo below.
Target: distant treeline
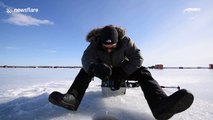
(161, 66)
(149, 67)
(153, 67)
(7, 66)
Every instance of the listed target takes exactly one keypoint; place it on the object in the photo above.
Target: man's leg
(72, 99)
(80, 85)
(152, 90)
(162, 106)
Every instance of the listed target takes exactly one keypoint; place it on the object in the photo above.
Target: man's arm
(134, 57)
(89, 57)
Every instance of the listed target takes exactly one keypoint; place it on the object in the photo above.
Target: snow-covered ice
(24, 95)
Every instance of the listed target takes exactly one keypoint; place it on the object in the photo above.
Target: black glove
(118, 74)
(100, 70)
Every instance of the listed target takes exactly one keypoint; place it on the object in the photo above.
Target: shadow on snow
(92, 107)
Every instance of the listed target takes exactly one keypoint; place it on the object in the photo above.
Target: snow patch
(31, 102)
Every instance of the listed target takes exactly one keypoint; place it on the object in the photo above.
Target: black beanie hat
(109, 35)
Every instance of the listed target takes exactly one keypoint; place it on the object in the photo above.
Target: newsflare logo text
(22, 10)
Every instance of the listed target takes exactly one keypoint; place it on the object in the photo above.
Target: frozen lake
(24, 93)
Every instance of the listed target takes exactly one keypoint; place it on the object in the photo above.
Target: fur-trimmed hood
(94, 34)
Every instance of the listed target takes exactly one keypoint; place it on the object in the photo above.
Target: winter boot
(175, 103)
(67, 101)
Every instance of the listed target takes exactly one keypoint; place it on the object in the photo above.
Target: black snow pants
(150, 87)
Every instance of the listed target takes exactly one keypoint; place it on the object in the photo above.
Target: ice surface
(24, 95)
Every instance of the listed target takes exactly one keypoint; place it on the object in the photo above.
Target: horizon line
(157, 66)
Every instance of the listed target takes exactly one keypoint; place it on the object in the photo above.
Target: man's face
(109, 47)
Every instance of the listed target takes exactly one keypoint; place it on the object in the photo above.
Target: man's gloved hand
(118, 74)
(100, 70)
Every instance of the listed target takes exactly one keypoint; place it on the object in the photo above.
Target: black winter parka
(126, 55)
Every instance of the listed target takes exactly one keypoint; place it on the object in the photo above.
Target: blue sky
(170, 32)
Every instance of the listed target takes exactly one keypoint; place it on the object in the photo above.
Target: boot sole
(56, 98)
(180, 105)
